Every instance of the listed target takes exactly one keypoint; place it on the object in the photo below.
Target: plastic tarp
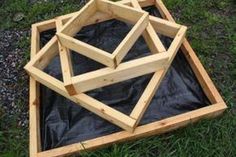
(64, 122)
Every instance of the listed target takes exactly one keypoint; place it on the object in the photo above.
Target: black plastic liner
(64, 122)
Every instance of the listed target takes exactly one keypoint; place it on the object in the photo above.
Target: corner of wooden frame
(164, 27)
(87, 50)
(79, 18)
(34, 104)
(177, 42)
(71, 89)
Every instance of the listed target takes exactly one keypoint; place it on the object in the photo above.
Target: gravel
(13, 79)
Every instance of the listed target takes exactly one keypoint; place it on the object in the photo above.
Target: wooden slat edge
(146, 97)
(154, 128)
(126, 44)
(125, 71)
(201, 74)
(120, 11)
(87, 50)
(34, 104)
(66, 63)
(176, 43)
(77, 21)
(43, 57)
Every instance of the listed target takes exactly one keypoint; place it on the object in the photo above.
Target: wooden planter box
(168, 124)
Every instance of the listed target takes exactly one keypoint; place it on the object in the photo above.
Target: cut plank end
(71, 89)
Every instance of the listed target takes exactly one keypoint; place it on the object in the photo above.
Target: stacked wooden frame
(39, 60)
(73, 87)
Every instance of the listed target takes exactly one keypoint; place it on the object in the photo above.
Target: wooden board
(155, 81)
(34, 103)
(150, 36)
(66, 63)
(165, 125)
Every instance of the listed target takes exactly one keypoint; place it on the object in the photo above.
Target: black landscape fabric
(64, 122)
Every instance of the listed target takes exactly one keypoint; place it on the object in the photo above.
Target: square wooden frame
(158, 127)
(138, 18)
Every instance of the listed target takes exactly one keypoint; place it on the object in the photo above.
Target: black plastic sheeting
(64, 122)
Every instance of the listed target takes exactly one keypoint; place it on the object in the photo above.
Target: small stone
(18, 17)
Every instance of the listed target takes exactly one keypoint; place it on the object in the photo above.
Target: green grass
(13, 141)
(212, 34)
(34, 13)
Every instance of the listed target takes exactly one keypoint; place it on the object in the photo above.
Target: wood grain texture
(66, 63)
(34, 104)
(131, 69)
(150, 36)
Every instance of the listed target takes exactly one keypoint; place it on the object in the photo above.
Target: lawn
(212, 34)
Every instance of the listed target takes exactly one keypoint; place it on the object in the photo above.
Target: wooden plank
(152, 40)
(119, 11)
(95, 18)
(35, 40)
(155, 81)
(34, 120)
(146, 97)
(124, 71)
(44, 56)
(87, 50)
(34, 124)
(66, 65)
(164, 27)
(201, 74)
(155, 128)
(176, 43)
(45, 25)
(77, 21)
(205, 81)
(150, 36)
(156, 46)
(126, 44)
(84, 100)
(165, 14)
